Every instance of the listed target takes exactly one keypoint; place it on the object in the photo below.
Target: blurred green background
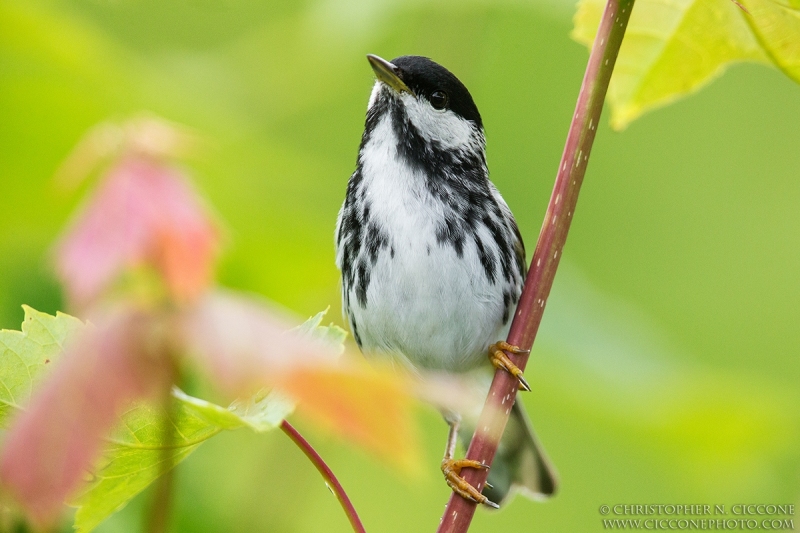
(667, 367)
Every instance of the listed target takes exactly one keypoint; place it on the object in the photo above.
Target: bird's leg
(451, 468)
(498, 357)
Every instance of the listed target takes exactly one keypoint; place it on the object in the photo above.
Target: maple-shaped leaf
(150, 440)
(26, 355)
(51, 443)
(674, 48)
(143, 214)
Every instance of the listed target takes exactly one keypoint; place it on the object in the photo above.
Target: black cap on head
(424, 77)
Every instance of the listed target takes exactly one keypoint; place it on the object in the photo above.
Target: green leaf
(331, 334)
(26, 355)
(150, 441)
(211, 413)
(264, 411)
(147, 444)
(309, 326)
(776, 25)
(672, 49)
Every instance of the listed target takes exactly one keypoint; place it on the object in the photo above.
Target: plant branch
(459, 512)
(158, 518)
(327, 474)
(159, 515)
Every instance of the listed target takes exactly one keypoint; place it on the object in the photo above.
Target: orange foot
(451, 468)
(498, 357)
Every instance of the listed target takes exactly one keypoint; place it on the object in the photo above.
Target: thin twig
(161, 506)
(158, 518)
(459, 512)
(327, 474)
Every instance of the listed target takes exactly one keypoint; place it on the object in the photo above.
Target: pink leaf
(244, 344)
(143, 213)
(52, 443)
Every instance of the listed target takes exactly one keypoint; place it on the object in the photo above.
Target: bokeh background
(668, 364)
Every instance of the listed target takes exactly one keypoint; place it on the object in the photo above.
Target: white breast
(424, 303)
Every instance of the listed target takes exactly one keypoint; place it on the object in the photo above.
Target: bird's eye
(439, 99)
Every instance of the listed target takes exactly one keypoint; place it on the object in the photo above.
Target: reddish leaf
(244, 344)
(143, 213)
(372, 407)
(50, 445)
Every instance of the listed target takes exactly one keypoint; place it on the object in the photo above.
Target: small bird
(432, 261)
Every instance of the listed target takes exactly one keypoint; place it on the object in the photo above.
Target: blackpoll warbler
(431, 258)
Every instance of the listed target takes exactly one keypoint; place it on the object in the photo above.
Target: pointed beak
(388, 74)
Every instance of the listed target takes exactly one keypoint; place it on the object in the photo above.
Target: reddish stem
(327, 474)
(459, 512)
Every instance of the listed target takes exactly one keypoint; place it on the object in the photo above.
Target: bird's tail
(520, 463)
